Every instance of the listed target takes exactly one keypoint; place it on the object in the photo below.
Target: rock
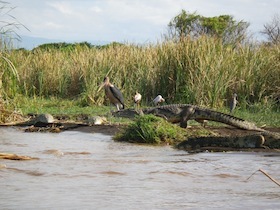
(41, 120)
(44, 123)
(96, 120)
(44, 118)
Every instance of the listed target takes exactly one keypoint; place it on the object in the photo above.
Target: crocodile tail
(227, 119)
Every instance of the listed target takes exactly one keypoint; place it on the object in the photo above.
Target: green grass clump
(150, 129)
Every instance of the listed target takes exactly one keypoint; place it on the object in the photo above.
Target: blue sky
(137, 21)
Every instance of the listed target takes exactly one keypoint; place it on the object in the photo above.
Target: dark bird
(137, 99)
(113, 93)
(233, 102)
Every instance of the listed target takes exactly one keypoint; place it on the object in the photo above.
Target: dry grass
(202, 71)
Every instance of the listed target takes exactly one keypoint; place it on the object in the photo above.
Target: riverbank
(223, 138)
(223, 133)
(221, 130)
(196, 138)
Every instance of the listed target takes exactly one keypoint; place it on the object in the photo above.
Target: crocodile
(182, 113)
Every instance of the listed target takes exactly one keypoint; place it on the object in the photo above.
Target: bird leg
(117, 105)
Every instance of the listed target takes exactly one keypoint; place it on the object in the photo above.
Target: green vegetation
(62, 46)
(202, 72)
(150, 129)
(258, 113)
(8, 73)
(71, 109)
(56, 106)
(223, 27)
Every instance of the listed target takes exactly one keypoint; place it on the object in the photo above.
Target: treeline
(71, 46)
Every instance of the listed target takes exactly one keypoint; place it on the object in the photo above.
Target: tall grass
(201, 71)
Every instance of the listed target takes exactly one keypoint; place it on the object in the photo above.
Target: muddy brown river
(78, 170)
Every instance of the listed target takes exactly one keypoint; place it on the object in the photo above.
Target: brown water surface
(78, 170)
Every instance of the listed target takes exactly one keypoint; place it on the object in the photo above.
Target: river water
(78, 170)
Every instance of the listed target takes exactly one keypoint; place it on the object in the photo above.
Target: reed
(201, 71)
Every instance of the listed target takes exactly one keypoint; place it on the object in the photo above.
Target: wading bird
(233, 103)
(158, 100)
(114, 94)
(137, 99)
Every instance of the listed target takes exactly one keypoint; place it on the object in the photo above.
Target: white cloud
(62, 7)
(52, 25)
(95, 9)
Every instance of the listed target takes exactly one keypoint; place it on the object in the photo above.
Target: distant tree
(62, 46)
(185, 24)
(59, 45)
(194, 25)
(85, 44)
(272, 30)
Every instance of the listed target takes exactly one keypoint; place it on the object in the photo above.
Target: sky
(133, 21)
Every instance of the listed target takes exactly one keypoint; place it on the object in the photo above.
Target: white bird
(137, 99)
(158, 100)
(233, 102)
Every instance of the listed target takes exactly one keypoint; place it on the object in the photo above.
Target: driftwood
(10, 156)
(266, 174)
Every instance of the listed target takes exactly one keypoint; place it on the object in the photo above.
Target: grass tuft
(150, 129)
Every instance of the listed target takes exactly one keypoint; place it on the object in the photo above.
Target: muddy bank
(114, 128)
(226, 139)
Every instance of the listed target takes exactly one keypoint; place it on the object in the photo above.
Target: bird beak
(100, 87)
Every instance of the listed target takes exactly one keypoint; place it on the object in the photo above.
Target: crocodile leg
(156, 113)
(161, 115)
(185, 116)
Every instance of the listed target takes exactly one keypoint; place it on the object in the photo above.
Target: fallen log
(10, 156)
